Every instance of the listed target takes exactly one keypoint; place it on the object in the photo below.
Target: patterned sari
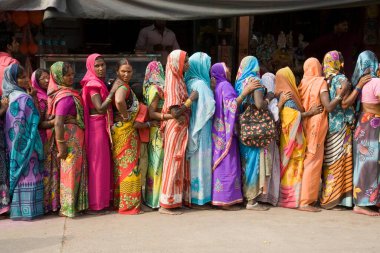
(250, 156)
(366, 139)
(175, 175)
(73, 170)
(337, 164)
(25, 150)
(4, 168)
(292, 142)
(153, 86)
(226, 177)
(199, 150)
(126, 149)
(51, 163)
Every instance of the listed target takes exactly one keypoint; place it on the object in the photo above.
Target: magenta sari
(98, 145)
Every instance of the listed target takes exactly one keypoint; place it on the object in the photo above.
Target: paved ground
(278, 230)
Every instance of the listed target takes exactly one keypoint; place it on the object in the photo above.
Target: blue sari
(199, 149)
(25, 150)
(250, 156)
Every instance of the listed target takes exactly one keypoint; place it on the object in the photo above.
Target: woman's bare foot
(365, 210)
(169, 211)
(230, 208)
(257, 207)
(309, 208)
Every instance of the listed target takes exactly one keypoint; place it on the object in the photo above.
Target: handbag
(257, 127)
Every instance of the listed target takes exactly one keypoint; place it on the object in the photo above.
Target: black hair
(122, 62)
(6, 38)
(66, 67)
(137, 88)
(39, 73)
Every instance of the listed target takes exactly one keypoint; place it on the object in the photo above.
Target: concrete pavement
(277, 230)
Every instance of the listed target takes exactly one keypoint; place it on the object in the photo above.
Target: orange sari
(315, 129)
(175, 174)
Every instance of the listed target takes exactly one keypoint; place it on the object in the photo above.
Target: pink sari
(98, 143)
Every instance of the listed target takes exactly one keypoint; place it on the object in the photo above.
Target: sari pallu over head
(268, 80)
(154, 75)
(56, 91)
(223, 129)
(90, 80)
(175, 89)
(41, 93)
(197, 78)
(367, 61)
(22, 121)
(249, 68)
(309, 90)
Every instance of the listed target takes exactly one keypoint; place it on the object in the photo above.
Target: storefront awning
(170, 9)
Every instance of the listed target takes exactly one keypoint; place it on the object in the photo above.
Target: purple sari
(226, 177)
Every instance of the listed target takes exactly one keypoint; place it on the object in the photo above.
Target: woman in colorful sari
(126, 145)
(337, 164)
(153, 90)
(40, 82)
(25, 147)
(366, 137)
(4, 164)
(199, 152)
(312, 85)
(254, 174)
(270, 155)
(292, 142)
(175, 175)
(98, 120)
(66, 105)
(226, 176)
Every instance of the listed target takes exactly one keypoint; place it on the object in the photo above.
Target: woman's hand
(345, 88)
(285, 96)
(116, 84)
(181, 120)
(62, 150)
(194, 95)
(316, 110)
(4, 103)
(363, 80)
(252, 85)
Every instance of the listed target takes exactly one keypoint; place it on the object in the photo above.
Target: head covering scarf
(218, 72)
(41, 93)
(175, 88)
(312, 81)
(333, 64)
(197, 78)
(10, 80)
(23, 134)
(268, 80)
(249, 67)
(366, 60)
(56, 91)
(285, 81)
(154, 75)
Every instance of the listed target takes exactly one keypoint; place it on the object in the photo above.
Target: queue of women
(189, 137)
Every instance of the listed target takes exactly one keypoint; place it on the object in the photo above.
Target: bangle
(125, 118)
(241, 97)
(188, 103)
(148, 123)
(358, 89)
(109, 99)
(61, 141)
(339, 97)
(162, 116)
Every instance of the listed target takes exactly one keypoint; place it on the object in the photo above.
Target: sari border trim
(221, 203)
(225, 153)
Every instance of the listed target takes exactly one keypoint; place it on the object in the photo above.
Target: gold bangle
(162, 116)
(61, 141)
(188, 103)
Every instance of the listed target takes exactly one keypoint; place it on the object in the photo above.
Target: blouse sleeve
(65, 106)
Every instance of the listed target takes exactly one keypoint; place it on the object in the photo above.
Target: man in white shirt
(157, 39)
